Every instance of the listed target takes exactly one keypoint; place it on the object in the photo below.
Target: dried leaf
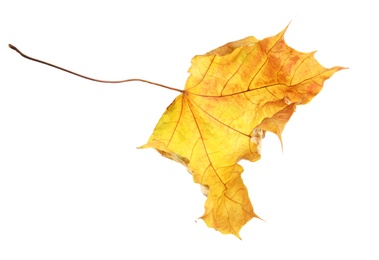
(234, 94)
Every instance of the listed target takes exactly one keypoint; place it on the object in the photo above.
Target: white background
(74, 186)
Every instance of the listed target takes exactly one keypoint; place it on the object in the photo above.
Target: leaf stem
(88, 78)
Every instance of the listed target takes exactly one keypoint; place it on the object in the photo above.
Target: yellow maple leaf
(233, 95)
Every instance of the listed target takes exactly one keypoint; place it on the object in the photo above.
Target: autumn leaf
(234, 94)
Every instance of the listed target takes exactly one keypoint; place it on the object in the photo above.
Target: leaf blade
(234, 94)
